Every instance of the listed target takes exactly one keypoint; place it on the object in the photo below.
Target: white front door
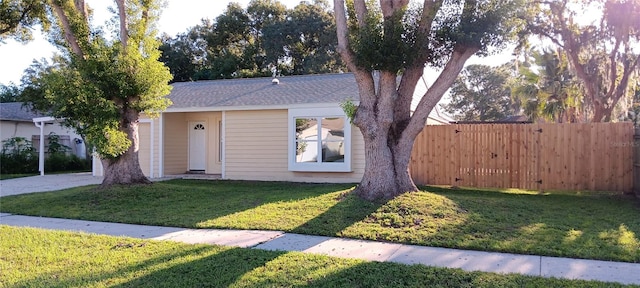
(197, 143)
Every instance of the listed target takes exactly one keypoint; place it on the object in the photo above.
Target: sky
(177, 17)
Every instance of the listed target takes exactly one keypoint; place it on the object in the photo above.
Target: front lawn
(42, 258)
(593, 226)
(12, 176)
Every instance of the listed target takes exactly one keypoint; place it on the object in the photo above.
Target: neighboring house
(437, 117)
(17, 121)
(292, 129)
(514, 119)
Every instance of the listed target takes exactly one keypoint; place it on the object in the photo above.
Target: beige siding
(256, 149)
(156, 147)
(144, 150)
(176, 141)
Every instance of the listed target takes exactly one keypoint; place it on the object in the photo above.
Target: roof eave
(252, 107)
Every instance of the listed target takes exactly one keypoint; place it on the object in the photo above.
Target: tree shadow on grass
(373, 274)
(177, 203)
(349, 210)
(67, 278)
(219, 270)
(594, 225)
(195, 266)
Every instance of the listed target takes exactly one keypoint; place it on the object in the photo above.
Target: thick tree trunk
(386, 173)
(125, 169)
(384, 115)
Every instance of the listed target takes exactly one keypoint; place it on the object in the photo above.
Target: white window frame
(318, 166)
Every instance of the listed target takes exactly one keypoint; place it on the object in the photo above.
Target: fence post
(636, 162)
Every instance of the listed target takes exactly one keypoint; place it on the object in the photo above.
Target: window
(319, 140)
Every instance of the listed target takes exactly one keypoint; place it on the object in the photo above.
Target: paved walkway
(46, 183)
(625, 273)
(53, 182)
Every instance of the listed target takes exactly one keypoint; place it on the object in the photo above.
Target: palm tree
(546, 89)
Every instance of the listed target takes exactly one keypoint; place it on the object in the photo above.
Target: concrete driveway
(46, 183)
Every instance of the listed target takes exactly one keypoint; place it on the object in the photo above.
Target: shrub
(59, 159)
(18, 156)
(58, 162)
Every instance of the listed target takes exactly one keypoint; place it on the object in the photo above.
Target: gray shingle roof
(306, 89)
(14, 111)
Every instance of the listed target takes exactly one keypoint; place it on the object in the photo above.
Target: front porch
(194, 176)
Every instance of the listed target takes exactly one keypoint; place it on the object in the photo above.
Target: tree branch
(429, 100)
(342, 30)
(413, 73)
(124, 24)
(389, 7)
(364, 79)
(22, 17)
(628, 69)
(613, 69)
(361, 12)
(71, 38)
(82, 9)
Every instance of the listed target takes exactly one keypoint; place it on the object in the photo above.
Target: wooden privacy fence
(593, 156)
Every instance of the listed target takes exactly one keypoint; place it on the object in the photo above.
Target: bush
(18, 156)
(57, 162)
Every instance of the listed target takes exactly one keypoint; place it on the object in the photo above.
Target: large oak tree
(100, 86)
(387, 46)
(603, 53)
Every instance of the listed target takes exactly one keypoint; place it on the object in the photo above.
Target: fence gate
(497, 156)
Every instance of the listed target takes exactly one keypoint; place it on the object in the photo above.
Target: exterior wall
(149, 156)
(144, 149)
(10, 129)
(176, 141)
(256, 149)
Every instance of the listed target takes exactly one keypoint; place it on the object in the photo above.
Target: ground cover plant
(594, 226)
(43, 258)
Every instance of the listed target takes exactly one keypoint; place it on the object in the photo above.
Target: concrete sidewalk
(625, 273)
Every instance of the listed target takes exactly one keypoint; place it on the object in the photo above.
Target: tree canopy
(17, 17)
(99, 86)
(9, 93)
(482, 93)
(602, 54)
(264, 38)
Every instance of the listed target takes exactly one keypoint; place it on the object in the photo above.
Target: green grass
(592, 226)
(41, 258)
(12, 176)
